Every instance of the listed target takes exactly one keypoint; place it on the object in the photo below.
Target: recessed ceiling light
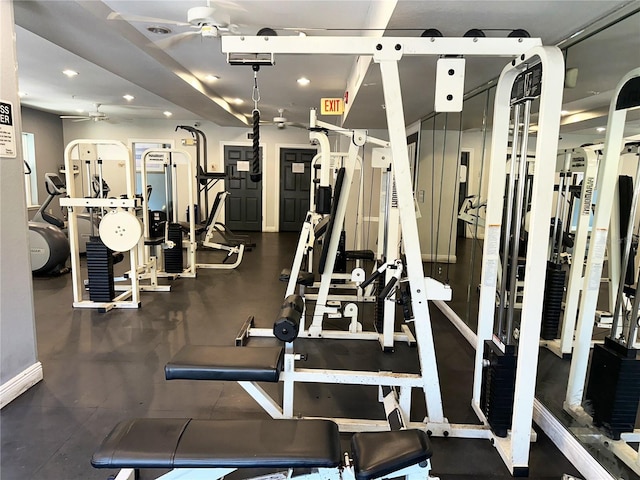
(600, 129)
(128, 97)
(303, 81)
(167, 113)
(70, 73)
(238, 101)
(564, 112)
(212, 78)
(159, 30)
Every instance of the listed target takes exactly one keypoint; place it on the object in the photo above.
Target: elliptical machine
(48, 244)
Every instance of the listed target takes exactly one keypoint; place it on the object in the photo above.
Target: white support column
(576, 278)
(535, 270)
(315, 329)
(388, 61)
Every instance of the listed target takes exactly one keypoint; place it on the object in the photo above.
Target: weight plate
(120, 230)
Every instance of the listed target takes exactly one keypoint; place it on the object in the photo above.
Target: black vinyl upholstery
(187, 443)
(204, 362)
(379, 453)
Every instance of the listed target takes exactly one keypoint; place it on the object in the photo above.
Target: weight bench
(198, 449)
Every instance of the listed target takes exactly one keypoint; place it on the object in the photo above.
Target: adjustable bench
(198, 449)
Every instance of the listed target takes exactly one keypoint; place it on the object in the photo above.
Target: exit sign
(331, 106)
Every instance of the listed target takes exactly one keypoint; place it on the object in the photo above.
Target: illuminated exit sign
(331, 106)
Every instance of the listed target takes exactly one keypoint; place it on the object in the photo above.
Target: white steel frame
(607, 179)
(514, 448)
(130, 296)
(387, 52)
(171, 157)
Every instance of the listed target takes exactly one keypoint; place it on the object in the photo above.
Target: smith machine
(536, 74)
(251, 365)
(612, 390)
(119, 230)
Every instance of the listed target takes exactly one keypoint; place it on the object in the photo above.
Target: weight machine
(171, 243)
(387, 52)
(613, 387)
(119, 231)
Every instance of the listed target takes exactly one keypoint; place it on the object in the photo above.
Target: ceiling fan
(96, 116)
(281, 121)
(206, 22)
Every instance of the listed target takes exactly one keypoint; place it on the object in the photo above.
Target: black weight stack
(552, 307)
(498, 385)
(613, 389)
(100, 271)
(173, 256)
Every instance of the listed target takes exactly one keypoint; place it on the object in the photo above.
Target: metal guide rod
(565, 169)
(506, 240)
(519, 211)
(625, 256)
(566, 222)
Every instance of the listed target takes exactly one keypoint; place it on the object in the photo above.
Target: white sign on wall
(7, 131)
(297, 167)
(242, 165)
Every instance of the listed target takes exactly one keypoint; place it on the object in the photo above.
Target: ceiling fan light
(303, 81)
(128, 97)
(70, 73)
(167, 113)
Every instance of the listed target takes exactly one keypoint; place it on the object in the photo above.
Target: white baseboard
(19, 384)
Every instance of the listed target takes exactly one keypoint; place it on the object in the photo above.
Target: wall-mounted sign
(297, 168)
(7, 131)
(243, 165)
(331, 106)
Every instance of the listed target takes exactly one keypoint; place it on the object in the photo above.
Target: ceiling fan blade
(73, 116)
(228, 5)
(138, 18)
(81, 119)
(175, 39)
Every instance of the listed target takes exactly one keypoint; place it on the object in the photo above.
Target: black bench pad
(205, 362)
(187, 443)
(379, 453)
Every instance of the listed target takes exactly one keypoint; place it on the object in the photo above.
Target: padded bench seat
(205, 362)
(189, 443)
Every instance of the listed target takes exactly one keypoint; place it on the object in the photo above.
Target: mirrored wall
(451, 191)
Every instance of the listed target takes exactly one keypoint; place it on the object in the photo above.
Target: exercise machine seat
(189, 443)
(204, 362)
(379, 453)
(304, 278)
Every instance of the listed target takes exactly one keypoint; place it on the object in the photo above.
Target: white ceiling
(117, 57)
